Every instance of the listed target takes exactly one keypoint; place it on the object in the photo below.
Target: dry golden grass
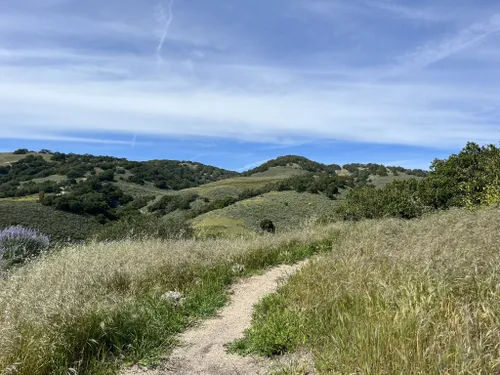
(394, 297)
(413, 297)
(75, 308)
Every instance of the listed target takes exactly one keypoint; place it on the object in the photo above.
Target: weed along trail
(202, 348)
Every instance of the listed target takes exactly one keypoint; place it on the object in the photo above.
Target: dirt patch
(202, 350)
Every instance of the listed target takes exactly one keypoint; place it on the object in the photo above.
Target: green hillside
(106, 189)
(287, 210)
(59, 226)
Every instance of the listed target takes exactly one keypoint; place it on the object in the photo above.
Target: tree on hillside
(382, 171)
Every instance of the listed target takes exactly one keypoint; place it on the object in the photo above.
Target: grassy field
(380, 182)
(394, 297)
(413, 297)
(54, 178)
(281, 172)
(234, 186)
(58, 225)
(27, 198)
(287, 209)
(230, 187)
(137, 190)
(9, 157)
(82, 309)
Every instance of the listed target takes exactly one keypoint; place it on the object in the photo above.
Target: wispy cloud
(164, 16)
(252, 165)
(435, 51)
(60, 138)
(252, 84)
(413, 13)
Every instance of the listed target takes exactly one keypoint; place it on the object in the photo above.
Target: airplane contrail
(165, 20)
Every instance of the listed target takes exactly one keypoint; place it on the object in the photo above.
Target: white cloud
(252, 165)
(434, 52)
(412, 13)
(50, 91)
(383, 113)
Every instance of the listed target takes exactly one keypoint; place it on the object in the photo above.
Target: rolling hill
(104, 189)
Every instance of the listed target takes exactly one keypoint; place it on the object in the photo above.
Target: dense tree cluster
(468, 179)
(21, 151)
(167, 174)
(176, 175)
(290, 160)
(324, 183)
(171, 203)
(92, 197)
(381, 170)
(30, 167)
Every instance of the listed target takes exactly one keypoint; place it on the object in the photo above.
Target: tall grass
(88, 308)
(395, 297)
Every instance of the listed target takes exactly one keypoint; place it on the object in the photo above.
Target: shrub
(18, 244)
(267, 226)
(465, 179)
(401, 199)
(21, 151)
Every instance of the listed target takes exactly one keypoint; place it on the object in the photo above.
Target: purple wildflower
(18, 244)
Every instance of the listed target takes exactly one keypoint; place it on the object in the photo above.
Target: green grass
(58, 225)
(234, 186)
(27, 198)
(221, 226)
(287, 209)
(281, 172)
(80, 310)
(419, 297)
(380, 182)
(54, 178)
(9, 157)
(137, 190)
(230, 187)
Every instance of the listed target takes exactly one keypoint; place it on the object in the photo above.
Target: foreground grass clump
(86, 309)
(412, 297)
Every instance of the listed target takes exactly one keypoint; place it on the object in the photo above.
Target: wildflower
(18, 244)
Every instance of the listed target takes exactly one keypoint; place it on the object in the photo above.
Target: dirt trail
(202, 350)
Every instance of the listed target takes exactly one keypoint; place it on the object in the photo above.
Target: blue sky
(236, 82)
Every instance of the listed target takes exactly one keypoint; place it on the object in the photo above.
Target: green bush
(267, 226)
(21, 151)
(464, 179)
(401, 199)
(468, 179)
(171, 203)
